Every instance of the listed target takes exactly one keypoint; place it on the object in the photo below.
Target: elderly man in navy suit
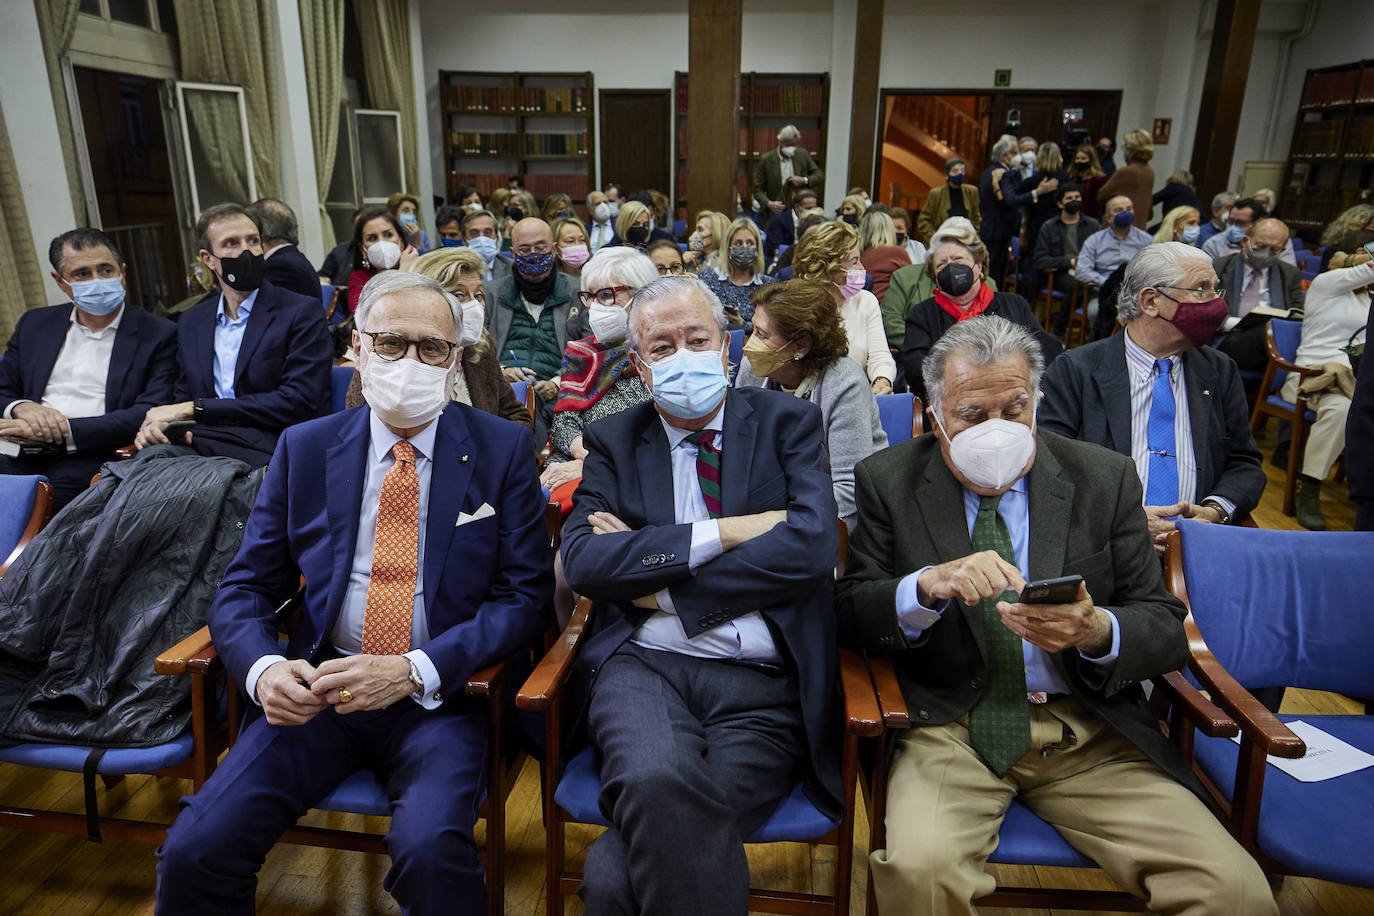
(417, 524)
(253, 358)
(78, 378)
(705, 528)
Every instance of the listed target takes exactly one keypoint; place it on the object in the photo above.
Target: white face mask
(384, 255)
(788, 151)
(609, 323)
(405, 392)
(991, 454)
(601, 212)
(473, 206)
(474, 317)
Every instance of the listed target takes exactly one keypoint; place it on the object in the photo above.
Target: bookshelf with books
(535, 125)
(1331, 159)
(767, 103)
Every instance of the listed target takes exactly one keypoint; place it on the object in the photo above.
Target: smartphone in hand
(1063, 590)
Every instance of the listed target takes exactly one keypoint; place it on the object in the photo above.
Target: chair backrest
(522, 394)
(24, 504)
(1284, 608)
(897, 414)
(326, 294)
(339, 379)
(679, 228)
(1287, 334)
(736, 352)
(1016, 246)
(1297, 243)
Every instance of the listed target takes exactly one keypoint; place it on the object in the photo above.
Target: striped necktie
(1162, 489)
(708, 469)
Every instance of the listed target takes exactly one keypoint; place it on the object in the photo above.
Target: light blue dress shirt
(1014, 508)
(228, 339)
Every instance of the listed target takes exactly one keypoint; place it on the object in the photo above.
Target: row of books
(761, 140)
(541, 186)
(510, 100)
(1326, 90)
(1317, 140)
(805, 100)
(1318, 206)
(465, 143)
(1361, 142)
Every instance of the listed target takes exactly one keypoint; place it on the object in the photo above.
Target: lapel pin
(463, 459)
(1207, 392)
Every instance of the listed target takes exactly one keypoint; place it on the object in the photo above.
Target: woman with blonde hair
(557, 206)
(739, 271)
(1049, 163)
(1086, 171)
(570, 250)
(1360, 216)
(1181, 224)
(829, 254)
(853, 207)
(633, 224)
(1135, 179)
(878, 249)
(704, 252)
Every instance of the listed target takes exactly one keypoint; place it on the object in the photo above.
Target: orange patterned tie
(395, 558)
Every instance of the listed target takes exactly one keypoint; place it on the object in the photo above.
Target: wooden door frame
(997, 96)
(667, 96)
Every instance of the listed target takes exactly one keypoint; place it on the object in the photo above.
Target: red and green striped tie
(708, 469)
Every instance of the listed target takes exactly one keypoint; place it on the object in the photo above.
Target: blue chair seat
(895, 416)
(1276, 401)
(796, 820)
(118, 761)
(1314, 828)
(17, 494)
(362, 794)
(1026, 839)
(340, 377)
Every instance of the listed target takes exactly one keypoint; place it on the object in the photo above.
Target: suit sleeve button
(923, 714)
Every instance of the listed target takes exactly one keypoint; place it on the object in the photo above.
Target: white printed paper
(1327, 756)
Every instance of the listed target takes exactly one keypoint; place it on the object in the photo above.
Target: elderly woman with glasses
(597, 377)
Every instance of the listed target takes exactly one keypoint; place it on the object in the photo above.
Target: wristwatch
(197, 409)
(416, 680)
(1223, 517)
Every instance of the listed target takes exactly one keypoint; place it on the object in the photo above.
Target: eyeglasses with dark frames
(390, 346)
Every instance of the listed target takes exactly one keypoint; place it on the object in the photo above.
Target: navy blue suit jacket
(782, 230)
(281, 377)
(770, 459)
(1001, 218)
(486, 582)
(292, 271)
(141, 375)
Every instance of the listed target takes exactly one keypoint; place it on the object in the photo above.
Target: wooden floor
(50, 874)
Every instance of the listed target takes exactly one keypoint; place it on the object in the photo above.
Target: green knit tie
(999, 726)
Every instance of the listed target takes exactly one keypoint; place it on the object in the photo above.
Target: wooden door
(635, 134)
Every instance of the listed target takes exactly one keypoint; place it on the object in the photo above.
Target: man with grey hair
(1001, 203)
(705, 529)
(1159, 395)
(1221, 206)
(781, 171)
(285, 266)
(1010, 699)
(417, 524)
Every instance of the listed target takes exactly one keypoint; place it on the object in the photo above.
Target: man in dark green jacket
(780, 172)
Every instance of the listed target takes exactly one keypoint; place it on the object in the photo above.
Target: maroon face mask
(1198, 321)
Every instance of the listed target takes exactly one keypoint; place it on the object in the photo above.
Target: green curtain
(229, 42)
(322, 29)
(21, 283)
(56, 26)
(385, 29)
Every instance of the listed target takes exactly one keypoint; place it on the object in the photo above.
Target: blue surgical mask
(98, 297)
(1190, 234)
(486, 247)
(1234, 234)
(407, 219)
(1123, 220)
(451, 243)
(615, 208)
(690, 383)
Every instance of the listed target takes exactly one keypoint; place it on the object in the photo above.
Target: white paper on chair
(1327, 756)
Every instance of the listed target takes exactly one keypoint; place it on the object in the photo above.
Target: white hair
(662, 288)
(1005, 144)
(1219, 200)
(789, 132)
(980, 341)
(618, 266)
(387, 282)
(1161, 264)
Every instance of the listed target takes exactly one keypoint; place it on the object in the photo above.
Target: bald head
(530, 232)
(1269, 233)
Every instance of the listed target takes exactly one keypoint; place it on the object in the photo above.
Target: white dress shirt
(76, 385)
(347, 635)
(600, 234)
(744, 637)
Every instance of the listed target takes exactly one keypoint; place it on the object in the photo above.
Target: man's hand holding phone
(1058, 614)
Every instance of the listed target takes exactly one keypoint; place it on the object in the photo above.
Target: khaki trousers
(1326, 436)
(1152, 835)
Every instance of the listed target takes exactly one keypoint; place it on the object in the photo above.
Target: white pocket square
(483, 511)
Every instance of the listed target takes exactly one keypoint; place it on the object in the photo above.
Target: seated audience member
(953, 198)
(1135, 179)
(286, 267)
(1340, 229)
(878, 249)
(378, 244)
(570, 245)
(1254, 278)
(782, 228)
(252, 359)
(1058, 246)
(1125, 393)
(466, 197)
(960, 294)
(615, 196)
(1266, 198)
(910, 286)
(809, 223)
(448, 222)
(78, 378)
(704, 244)
(597, 378)
(1110, 247)
(601, 231)
(1085, 171)
(1041, 702)
(799, 346)
(902, 225)
(782, 173)
(1244, 214)
(635, 226)
(519, 205)
(482, 234)
(739, 271)
(852, 207)
(829, 255)
(667, 258)
(397, 648)
(1221, 208)
(1337, 308)
(533, 315)
(479, 381)
(1178, 191)
(556, 207)
(707, 682)
(406, 209)
(338, 263)
(1181, 224)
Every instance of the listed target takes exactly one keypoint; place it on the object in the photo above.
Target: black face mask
(851, 218)
(535, 291)
(514, 212)
(1073, 206)
(243, 273)
(638, 236)
(901, 240)
(955, 279)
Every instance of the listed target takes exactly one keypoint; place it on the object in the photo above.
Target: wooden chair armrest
(547, 678)
(1200, 711)
(861, 713)
(177, 659)
(1255, 722)
(1287, 366)
(486, 681)
(888, 692)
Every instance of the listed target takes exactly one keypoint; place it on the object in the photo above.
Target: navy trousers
(431, 764)
(694, 756)
(69, 475)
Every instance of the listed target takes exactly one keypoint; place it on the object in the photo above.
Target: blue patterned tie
(1163, 487)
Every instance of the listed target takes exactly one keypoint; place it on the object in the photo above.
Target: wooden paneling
(713, 56)
(863, 123)
(1223, 93)
(634, 138)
